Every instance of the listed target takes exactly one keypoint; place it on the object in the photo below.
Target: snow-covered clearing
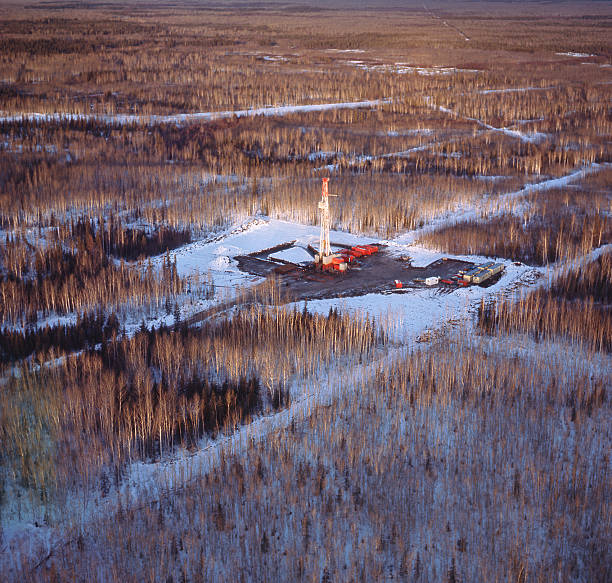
(125, 119)
(262, 233)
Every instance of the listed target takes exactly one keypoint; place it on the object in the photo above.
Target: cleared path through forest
(126, 119)
(494, 206)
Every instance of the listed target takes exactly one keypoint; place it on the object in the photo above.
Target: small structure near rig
(483, 272)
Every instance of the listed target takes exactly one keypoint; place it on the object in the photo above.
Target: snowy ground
(408, 314)
(296, 255)
(258, 234)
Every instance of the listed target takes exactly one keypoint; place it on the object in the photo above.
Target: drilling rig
(324, 246)
(325, 259)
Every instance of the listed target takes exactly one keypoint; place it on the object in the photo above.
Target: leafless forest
(159, 422)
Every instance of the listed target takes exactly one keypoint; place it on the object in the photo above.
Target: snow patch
(513, 90)
(294, 255)
(220, 263)
(405, 68)
(571, 54)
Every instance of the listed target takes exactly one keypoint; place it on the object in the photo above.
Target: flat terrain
(373, 274)
(184, 398)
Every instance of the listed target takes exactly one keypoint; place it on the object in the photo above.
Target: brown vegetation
(135, 398)
(76, 273)
(201, 61)
(447, 467)
(557, 225)
(576, 307)
(453, 463)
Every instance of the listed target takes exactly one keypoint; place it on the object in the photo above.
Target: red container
(361, 250)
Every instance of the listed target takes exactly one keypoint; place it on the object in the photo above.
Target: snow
(571, 54)
(322, 155)
(513, 90)
(123, 119)
(523, 121)
(217, 257)
(491, 178)
(220, 264)
(19, 149)
(294, 255)
(415, 132)
(274, 58)
(405, 68)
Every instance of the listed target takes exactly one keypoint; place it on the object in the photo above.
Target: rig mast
(324, 246)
